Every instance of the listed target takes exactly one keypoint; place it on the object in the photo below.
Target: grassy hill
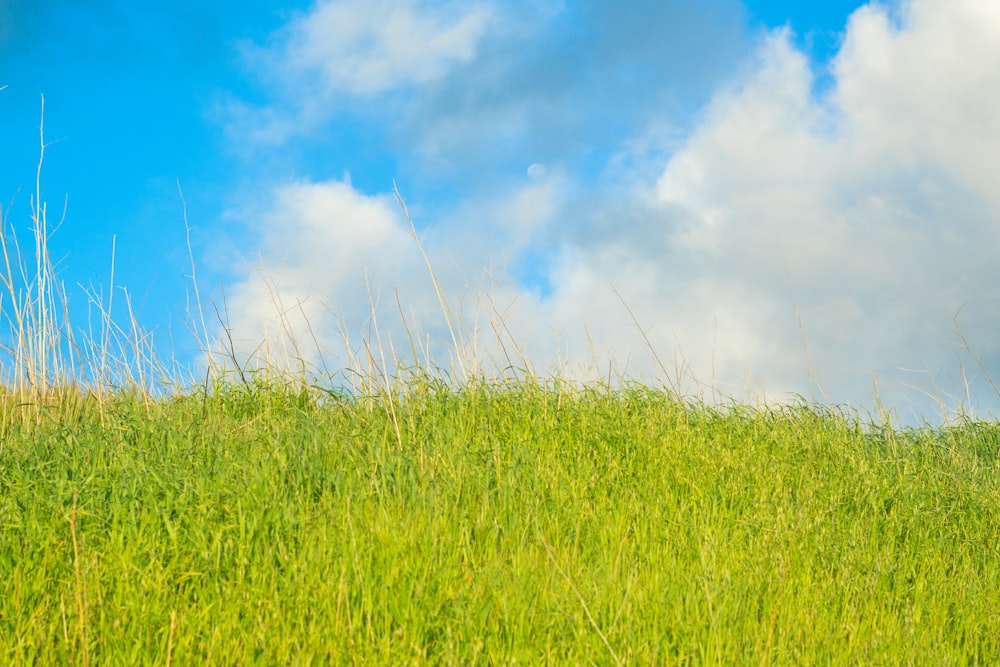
(525, 522)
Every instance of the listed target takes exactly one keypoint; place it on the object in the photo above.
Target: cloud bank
(791, 241)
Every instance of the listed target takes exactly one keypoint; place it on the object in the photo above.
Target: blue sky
(730, 169)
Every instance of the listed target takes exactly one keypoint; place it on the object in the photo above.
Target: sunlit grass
(518, 522)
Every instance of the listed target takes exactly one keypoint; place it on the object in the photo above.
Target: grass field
(503, 523)
(257, 518)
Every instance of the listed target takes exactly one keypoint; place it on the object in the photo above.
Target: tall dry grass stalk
(40, 348)
(42, 356)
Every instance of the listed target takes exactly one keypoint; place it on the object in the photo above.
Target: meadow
(525, 522)
(257, 517)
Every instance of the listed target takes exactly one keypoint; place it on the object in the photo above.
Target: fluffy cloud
(324, 246)
(794, 241)
(871, 206)
(864, 214)
(338, 270)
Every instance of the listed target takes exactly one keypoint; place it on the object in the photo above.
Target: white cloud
(343, 51)
(367, 47)
(866, 212)
(332, 258)
(321, 244)
(877, 200)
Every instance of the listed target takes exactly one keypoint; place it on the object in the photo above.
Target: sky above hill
(745, 199)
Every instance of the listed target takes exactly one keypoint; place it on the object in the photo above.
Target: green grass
(250, 518)
(501, 523)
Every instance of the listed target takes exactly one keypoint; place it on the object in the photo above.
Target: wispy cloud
(571, 82)
(354, 49)
(364, 48)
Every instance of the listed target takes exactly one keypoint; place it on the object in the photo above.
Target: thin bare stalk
(975, 357)
(446, 311)
(675, 386)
